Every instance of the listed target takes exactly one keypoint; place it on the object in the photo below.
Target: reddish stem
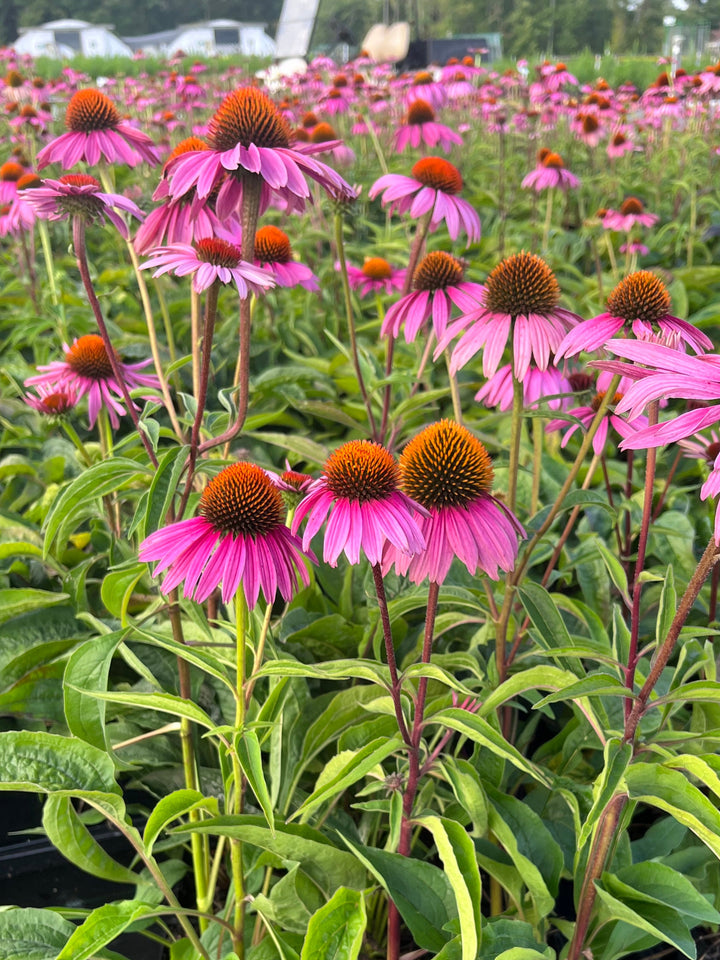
(640, 562)
(82, 262)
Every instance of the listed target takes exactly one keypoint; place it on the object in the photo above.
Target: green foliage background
(528, 27)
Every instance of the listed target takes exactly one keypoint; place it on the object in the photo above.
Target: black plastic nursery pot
(34, 874)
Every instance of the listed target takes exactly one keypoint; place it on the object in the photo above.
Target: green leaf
(293, 443)
(117, 588)
(162, 702)
(670, 791)
(203, 659)
(545, 615)
(45, 763)
(79, 499)
(532, 848)
(17, 601)
(501, 936)
(521, 953)
(618, 756)
(88, 669)
(171, 807)
(359, 763)
(660, 883)
(333, 670)
(32, 934)
(329, 867)
(335, 931)
(653, 918)
(250, 757)
(434, 672)
(599, 684)
(480, 731)
(667, 607)
(163, 487)
(71, 837)
(613, 566)
(698, 691)
(102, 926)
(19, 548)
(420, 890)
(467, 787)
(704, 768)
(533, 678)
(457, 853)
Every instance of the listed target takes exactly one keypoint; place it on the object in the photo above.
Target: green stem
(167, 325)
(149, 322)
(691, 226)
(42, 228)
(515, 576)
(77, 442)
(702, 571)
(211, 302)
(249, 213)
(131, 835)
(569, 480)
(454, 390)
(421, 232)
(611, 255)
(241, 619)
(199, 844)
(414, 769)
(372, 133)
(518, 408)
(195, 339)
(548, 220)
(350, 317)
(538, 437)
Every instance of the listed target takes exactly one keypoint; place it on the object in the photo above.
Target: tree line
(528, 27)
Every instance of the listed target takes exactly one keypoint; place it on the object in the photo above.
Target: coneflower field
(360, 454)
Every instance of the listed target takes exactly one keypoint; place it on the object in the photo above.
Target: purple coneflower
(421, 127)
(520, 298)
(359, 486)
(661, 371)
(550, 172)
(438, 285)
(586, 414)
(424, 86)
(10, 173)
(19, 216)
(208, 260)
(95, 131)
(79, 195)
(619, 144)
(631, 212)
(86, 369)
(326, 134)
(249, 138)
(448, 471)
(537, 386)
(239, 537)
(434, 186)
(375, 276)
(640, 302)
(707, 449)
(52, 402)
(273, 254)
(182, 220)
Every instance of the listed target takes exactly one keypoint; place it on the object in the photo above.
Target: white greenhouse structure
(209, 38)
(66, 38)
